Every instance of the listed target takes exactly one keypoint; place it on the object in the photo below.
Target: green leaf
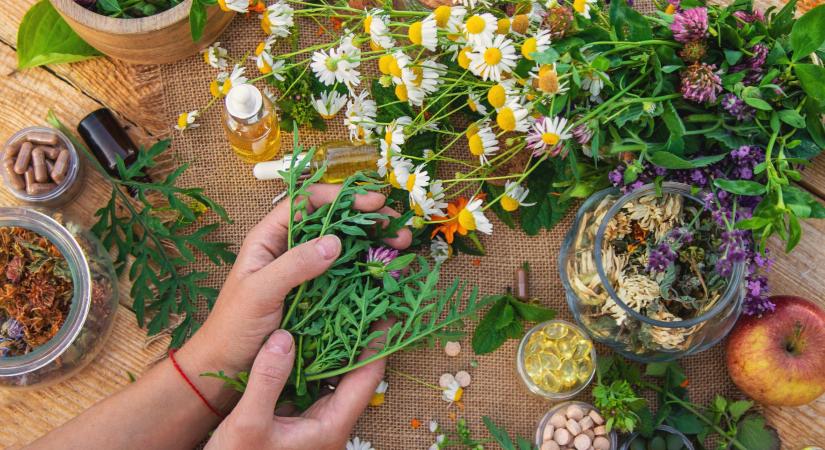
(487, 337)
(686, 423)
(732, 56)
(758, 103)
(672, 120)
(656, 369)
(401, 262)
(812, 78)
(802, 203)
(754, 434)
(738, 409)
(507, 316)
(794, 233)
(628, 23)
(549, 56)
(740, 187)
(532, 312)
(792, 118)
(45, 38)
(670, 161)
(499, 434)
(808, 33)
(197, 19)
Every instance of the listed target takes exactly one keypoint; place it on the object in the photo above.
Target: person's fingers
(403, 237)
(268, 376)
(301, 263)
(268, 239)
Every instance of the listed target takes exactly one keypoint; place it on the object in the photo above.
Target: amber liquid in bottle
(343, 159)
(258, 141)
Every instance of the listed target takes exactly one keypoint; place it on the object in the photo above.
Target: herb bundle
(332, 317)
(128, 9)
(37, 290)
(155, 235)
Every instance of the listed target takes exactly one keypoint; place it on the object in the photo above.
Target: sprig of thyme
(160, 250)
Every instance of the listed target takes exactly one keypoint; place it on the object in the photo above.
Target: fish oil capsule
(556, 330)
(565, 348)
(567, 373)
(549, 361)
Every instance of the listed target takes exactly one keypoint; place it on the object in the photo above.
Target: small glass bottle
(251, 124)
(341, 158)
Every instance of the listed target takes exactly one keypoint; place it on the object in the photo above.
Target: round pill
(463, 378)
(558, 420)
(601, 443)
(582, 442)
(446, 380)
(574, 412)
(561, 436)
(452, 348)
(550, 445)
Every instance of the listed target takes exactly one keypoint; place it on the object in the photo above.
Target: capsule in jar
(42, 138)
(61, 166)
(23, 158)
(15, 179)
(39, 164)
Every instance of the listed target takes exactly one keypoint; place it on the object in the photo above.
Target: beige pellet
(601, 443)
(23, 158)
(600, 430)
(40, 188)
(15, 179)
(575, 412)
(586, 423)
(582, 442)
(561, 436)
(573, 427)
(558, 420)
(39, 164)
(550, 445)
(49, 151)
(42, 138)
(547, 434)
(597, 419)
(61, 166)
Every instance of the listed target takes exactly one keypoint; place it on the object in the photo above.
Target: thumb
(269, 374)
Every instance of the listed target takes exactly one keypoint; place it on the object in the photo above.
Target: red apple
(779, 358)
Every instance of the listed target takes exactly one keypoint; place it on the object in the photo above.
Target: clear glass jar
(574, 333)
(639, 337)
(669, 430)
(65, 191)
(561, 408)
(91, 314)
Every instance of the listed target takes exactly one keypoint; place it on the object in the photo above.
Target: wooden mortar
(158, 39)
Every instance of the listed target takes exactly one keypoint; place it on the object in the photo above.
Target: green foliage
(160, 252)
(505, 320)
(808, 33)
(295, 101)
(615, 397)
(45, 38)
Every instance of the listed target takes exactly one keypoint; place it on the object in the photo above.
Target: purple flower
(616, 176)
(734, 251)
(582, 133)
(756, 297)
(661, 258)
(12, 329)
(378, 258)
(737, 107)
(690, 25)
(744, 16)
(681, 236)
(700, 83)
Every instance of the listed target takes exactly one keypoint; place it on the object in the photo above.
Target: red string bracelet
(192, 385)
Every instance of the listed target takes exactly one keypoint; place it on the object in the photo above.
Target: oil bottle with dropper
(341, 158)
(251, 124)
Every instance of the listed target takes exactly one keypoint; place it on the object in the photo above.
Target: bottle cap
(271, 170)
(244, 101)
(107, 139)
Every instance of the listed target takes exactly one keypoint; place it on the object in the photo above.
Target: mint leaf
(739, 408)
(753, 434)
(507, 316)
(532, 312)
(807, 33)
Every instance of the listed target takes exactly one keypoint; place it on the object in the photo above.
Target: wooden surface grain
(135, 93)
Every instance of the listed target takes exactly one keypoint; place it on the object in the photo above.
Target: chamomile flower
(483, 144)
(453, 392)
(450, 18)
(489, 61)
(548, 134)
(547, 81)
(334, 65)
(357, 444)
(421, 79)
(438, 195)
(424, 33)
(187, 120)
(440, 251)
(400, 171)
(439, 441)
(535, 44)
(360, 116)
(480, 28)
(593, 82)
(475, 105)
(277, 20)
(394, 136)
(472, 218)
(395, 64)
(221, 86)
(379, 394)
(498, 93)
(241, 6)
(583, 7)
(329, 103)
(514, 195)
(266, 63)
(375, 24)
(416, 183)
(513, 116)
(215, 56)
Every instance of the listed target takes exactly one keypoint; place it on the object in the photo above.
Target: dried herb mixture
(37, 290)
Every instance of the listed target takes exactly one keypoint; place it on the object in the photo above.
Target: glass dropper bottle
(341, 158)
(251, 124)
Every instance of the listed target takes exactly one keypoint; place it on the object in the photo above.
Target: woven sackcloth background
(496, 390)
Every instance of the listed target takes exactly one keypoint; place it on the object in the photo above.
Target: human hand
(250, 305)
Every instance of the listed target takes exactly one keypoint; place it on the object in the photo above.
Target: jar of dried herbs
(653, 273)
(58, 297)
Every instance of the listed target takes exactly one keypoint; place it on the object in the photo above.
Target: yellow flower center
(509, 203)
(466, 219)
(260, 48)
(670, 9)
(384, 64)
(377, 399)
(331, 64)
(393, 180)
(497, 96)
(417, 209)
(419, 75)
(473, 106)
(442, 15)
(476, 145)
(579, 5)
(415, 33)
(388, 140)
(503, 26)
(367, 24)
(206, 57)
(266, 25)
(214, 89)
(492, 56)
(401, 92)
(548, 81)
(183, 120)
(521, 23)
(374, 46)
(222, 4)
(227, 86)
(264, 67)
(506, 119)
(394, 68)
(472, 130)
(463, 59)
(459, 392)
(550, 138)
(410, 182)
(529, 47)
(475, 24)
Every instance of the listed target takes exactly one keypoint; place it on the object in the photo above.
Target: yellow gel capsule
(556, 330)
(567, 373)
(550, 361)
(583, 369)
(582, 349)
(565, 348)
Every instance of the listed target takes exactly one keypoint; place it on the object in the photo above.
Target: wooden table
(135, 93)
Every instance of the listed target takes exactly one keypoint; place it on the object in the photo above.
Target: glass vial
(251, 124)
(342, 159)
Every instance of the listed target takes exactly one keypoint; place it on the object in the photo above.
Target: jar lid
(244, 101)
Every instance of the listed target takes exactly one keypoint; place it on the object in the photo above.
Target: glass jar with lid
(646, 321)
(91, 313)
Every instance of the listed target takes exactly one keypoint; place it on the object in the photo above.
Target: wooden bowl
(158, 39)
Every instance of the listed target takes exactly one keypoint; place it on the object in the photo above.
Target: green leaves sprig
(157, 253)
(505, 320)
(45, 38)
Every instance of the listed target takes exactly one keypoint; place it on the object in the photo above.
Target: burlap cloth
(496, 390)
